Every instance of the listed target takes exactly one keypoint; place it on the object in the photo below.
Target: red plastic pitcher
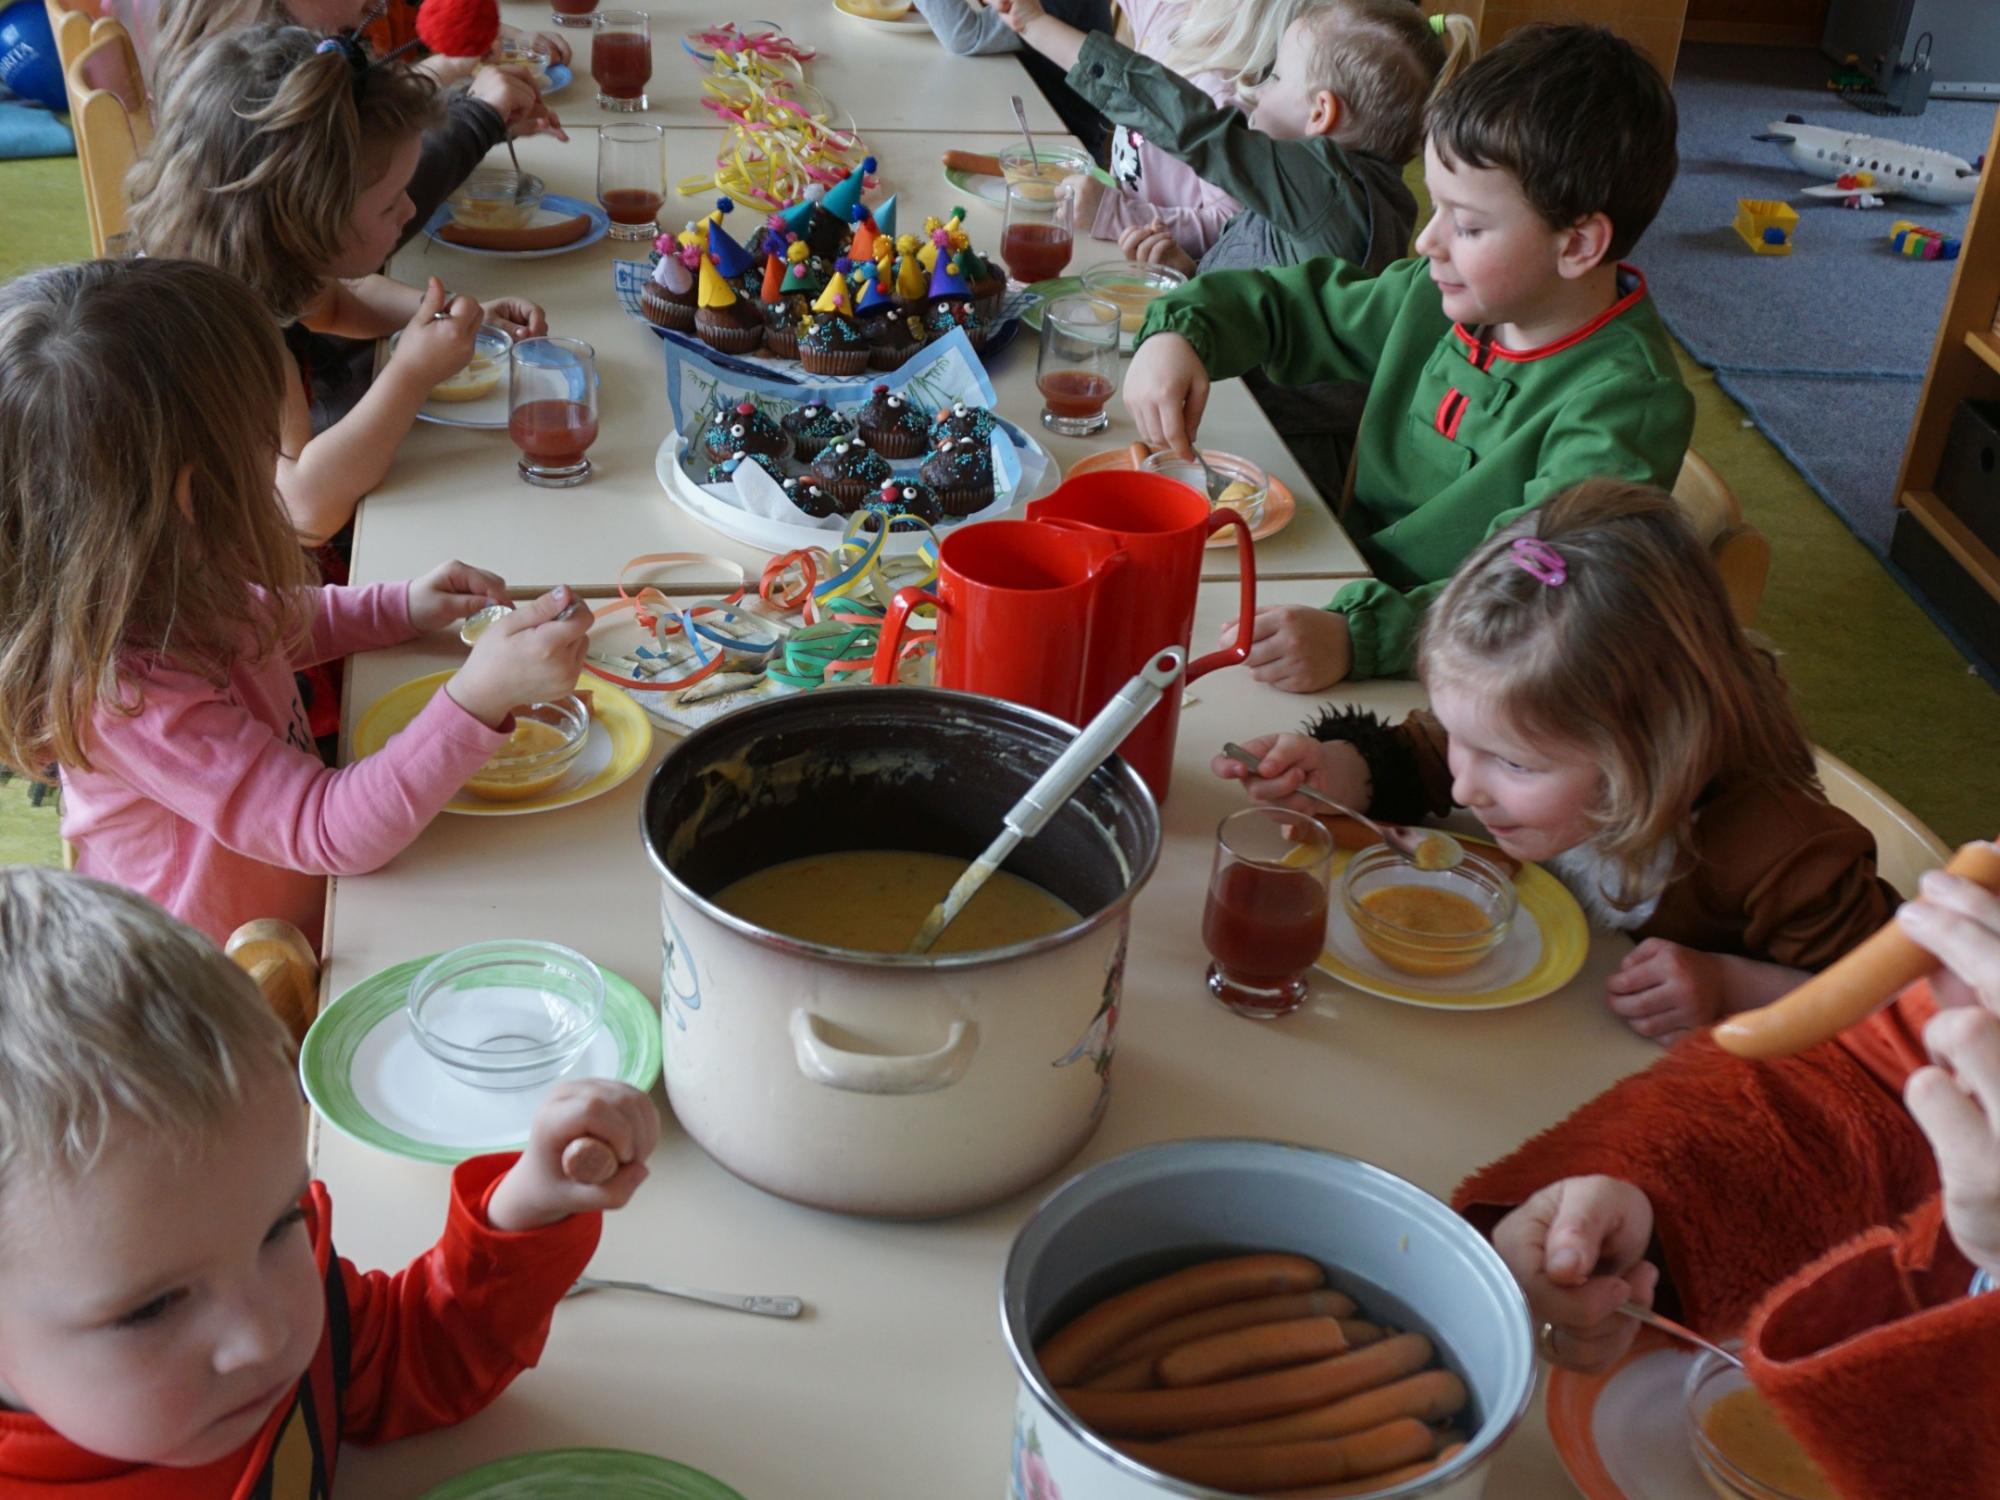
(1161, 526)
(1020, 608)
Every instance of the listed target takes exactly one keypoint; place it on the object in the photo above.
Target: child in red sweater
(1845, 1236)
(173, 1321)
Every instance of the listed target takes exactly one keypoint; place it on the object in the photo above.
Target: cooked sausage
(974, 162)
(1430, 1396)
(1851, 988)
(552, 236)
(1083, 1342)
(1372, 1485)
(1264, 1346)
(1127, 1375)
(1265, 1466)
(1177, 1331)
(1274, 1393)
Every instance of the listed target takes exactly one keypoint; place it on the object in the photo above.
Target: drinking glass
(1076, 369)
(621, 58)
(1038, 230)
(552, 409)
(1265, 922)
(632, 178)
(571, 12)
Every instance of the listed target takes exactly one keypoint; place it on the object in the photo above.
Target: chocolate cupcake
(910, 497)
(961, 471)
(737, 426)
(852, 470)
(724, 320)
(668, 297)
(893, 339)
(831, 344)
(961, 420)
(988, 284)
(723, 471)
(892, 426)
(812, 427)
(947, 313)
(809, 495)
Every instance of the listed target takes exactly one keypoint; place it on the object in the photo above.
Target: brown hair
(263, 149)
(1634, 657)
(1379, 58)
(115, 378)
(1579, 117)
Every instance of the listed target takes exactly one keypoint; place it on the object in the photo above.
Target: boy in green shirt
(1517, 357)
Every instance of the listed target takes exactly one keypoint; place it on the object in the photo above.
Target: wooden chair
(1742, 553)
(277, 956)
(1904, 847)
(72, 30)
(113, 126)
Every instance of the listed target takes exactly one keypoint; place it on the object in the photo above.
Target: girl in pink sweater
(154, 605)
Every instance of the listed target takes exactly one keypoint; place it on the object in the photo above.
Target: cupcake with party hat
(913, 281)
(831, 342)
(735, 263)
(951, 304)
(781, 311)
(987, 280)
(668, 296)
(798, 215)
(893, 330)
(862, 247)
(723, 320)
(827, 225)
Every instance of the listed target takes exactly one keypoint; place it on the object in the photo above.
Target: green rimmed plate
(1045, 292)
(993, 190)
(367, 1076)
(583, 1474)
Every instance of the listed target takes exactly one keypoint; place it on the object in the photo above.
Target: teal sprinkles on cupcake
(910, 497)
(894, 333)
(809, 495)
(832, 343)
(812, 427)
(737, 425)
(852, 469)
(893, 425)
(723, 471)
(961, 471)
(962, 420)
(951, 301)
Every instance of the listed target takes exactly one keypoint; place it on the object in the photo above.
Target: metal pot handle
(867, 1073)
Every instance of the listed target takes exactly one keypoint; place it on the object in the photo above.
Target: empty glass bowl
(545, 742)
(1131, 287)
(1243, 486)
(1742, 1449)
(488, 199)
(1430, 923)
(506, 1015)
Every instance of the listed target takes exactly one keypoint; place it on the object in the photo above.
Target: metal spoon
(1426, 848)
(1021, 114)
(763, 1307)
(1667, 1325)
(1055, 786)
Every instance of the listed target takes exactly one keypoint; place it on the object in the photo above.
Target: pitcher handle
(893, 624)
(837, 1067)
(1246, 564)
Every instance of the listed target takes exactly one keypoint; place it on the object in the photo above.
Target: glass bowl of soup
(1240, 485)
(1742, 1449)
(1048, 167)
(482, 374)
(1430, 923)
(506, 1015)
(497, 198)
(544, 743)
(1131, 286)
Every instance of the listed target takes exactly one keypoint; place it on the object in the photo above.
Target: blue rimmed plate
(555, 207)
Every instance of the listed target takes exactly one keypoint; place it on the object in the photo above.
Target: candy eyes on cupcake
(736, 429)
(895, 403)
(809, 412)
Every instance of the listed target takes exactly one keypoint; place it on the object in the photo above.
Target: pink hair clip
(1540, 561)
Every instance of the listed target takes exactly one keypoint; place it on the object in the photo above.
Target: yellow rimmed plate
(621, 737)
(1540, 954)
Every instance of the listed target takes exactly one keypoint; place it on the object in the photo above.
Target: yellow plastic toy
(1766, 225)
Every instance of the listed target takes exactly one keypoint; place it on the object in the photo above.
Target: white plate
(1622, 1434)
(908, 22)
(489, 411)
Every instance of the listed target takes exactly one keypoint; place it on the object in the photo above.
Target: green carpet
(1877, 683)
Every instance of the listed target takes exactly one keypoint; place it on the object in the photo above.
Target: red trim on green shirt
(1478, 343)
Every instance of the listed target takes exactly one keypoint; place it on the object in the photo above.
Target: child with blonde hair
(173, 1318)
(284, 159)
(1595, 706)
(154, 605)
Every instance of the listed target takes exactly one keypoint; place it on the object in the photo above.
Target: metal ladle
(1426, 848)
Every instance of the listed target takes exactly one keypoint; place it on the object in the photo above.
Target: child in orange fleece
(1797, 1202)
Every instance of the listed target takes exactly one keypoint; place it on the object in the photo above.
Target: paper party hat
(715, 289)
(846, 193)
(731, 259)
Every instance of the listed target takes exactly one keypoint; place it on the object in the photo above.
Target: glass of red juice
(632, 178)
(1038, 230)
(1076, 369)
(571, 12)
(621, 58)
(552, 409)
(1265, 922)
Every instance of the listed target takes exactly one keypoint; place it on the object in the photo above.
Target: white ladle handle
(1090, 749)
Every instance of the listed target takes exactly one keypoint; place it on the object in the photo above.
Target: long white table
(879, 77)
(897, 1383)
(454, 491)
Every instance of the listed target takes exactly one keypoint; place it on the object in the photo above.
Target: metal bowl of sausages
(1217, 1318)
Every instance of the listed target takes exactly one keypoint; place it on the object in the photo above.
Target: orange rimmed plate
(1279, 505)
(1622, 1432)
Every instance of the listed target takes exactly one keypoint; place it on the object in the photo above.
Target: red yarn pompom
(459, 28)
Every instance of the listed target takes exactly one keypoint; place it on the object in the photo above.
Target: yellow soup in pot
(874, 900)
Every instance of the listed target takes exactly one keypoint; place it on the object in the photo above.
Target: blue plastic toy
(28, 62)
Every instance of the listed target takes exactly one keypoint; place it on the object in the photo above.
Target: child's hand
(1664, 991)
(435, 348)
(527, 655)
(1019, 15)
(535, 1193)
(1154, 245)
(1578, 1249)
(1166, 391)
(450, 592)
(1957, 1101)
(1290, 761)
(1296, 647)
(520, 317)
(516, 100)
(1085, 192)
(556, 47)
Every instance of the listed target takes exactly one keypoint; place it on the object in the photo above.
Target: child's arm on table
(437, 1341)
(1058, 41)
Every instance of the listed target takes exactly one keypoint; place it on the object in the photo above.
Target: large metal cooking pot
(884, 1083)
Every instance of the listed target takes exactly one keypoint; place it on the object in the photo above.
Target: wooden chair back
(1904, 847)
(277, 956)
(71, 28)
(1742, 553)
(112, 124)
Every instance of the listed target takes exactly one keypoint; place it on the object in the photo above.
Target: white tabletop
(897, 1383)
(881, 77)
(453, 492)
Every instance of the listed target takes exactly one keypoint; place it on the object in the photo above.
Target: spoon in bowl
(1426, 848)
(1667, 1325)
(1021, 114)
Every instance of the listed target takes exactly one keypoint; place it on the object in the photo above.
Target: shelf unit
(1965, 364)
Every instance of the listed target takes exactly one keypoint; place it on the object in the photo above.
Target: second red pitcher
(1162, 527)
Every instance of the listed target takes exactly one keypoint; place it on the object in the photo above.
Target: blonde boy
(173, 1321)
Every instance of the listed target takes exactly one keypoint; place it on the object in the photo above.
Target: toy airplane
(1868, 165)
